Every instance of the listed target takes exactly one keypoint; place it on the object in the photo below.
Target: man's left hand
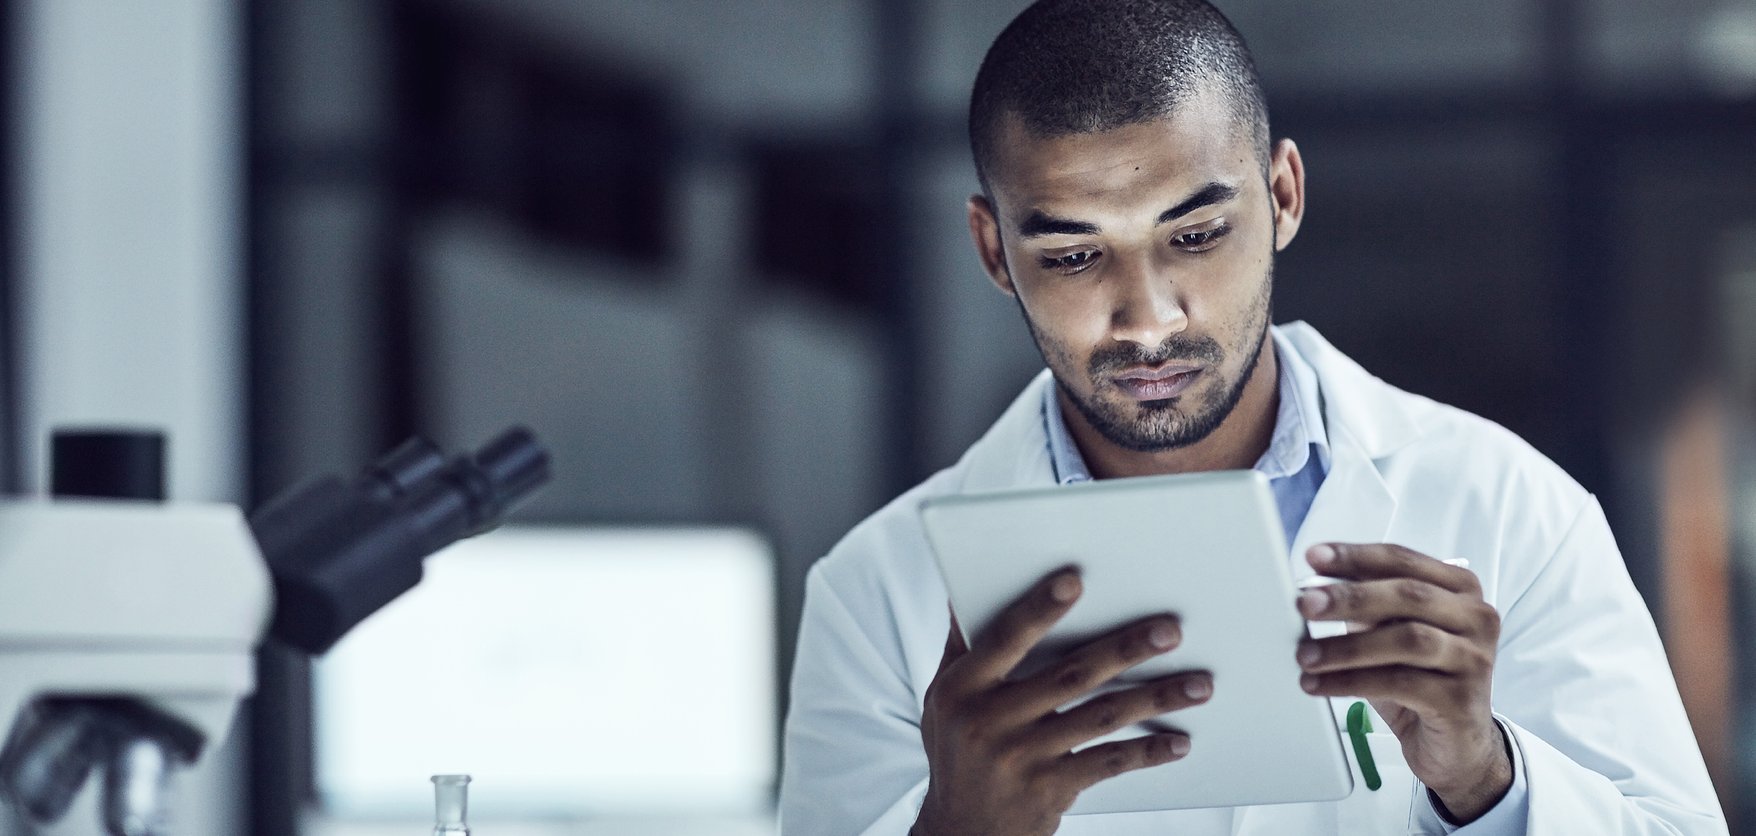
(1421, 650)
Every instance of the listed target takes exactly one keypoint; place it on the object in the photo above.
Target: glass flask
(450, 805)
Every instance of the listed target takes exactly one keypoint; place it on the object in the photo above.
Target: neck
(1236, 444)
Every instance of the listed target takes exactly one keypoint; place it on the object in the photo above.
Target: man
(1132, 205)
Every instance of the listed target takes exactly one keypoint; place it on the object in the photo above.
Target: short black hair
(1083, 66)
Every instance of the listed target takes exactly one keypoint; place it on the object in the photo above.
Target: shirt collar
(1298, 425)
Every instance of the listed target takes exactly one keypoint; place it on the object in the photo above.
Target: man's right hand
(999, 752)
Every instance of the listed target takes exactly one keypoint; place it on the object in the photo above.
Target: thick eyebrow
(1210, 194)
(1039, 224)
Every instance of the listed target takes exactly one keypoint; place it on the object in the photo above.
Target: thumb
(954, 643)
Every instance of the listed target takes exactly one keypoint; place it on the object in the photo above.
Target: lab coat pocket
(1389, 808)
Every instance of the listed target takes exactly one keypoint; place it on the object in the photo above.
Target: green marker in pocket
(1359, 724)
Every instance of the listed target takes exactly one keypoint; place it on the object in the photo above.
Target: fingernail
(1197, 689)
(1314, 601)
(1162, 636)
(1180, 746)
(1065, 588)
(1321, 555)
(1309, 654)
(1308, 682)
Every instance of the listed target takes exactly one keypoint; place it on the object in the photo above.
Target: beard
(1171, 423)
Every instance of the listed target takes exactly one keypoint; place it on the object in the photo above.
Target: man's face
(1142, 259)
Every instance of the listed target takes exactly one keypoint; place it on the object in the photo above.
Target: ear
(1286, 188)
(984, 232)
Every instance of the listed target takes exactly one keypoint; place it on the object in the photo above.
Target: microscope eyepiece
(339, 550)
(402, 470)
(514, 463)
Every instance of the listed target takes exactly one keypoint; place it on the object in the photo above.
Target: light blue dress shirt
(1295, 463)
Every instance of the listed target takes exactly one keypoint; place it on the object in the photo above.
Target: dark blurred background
(715, 254)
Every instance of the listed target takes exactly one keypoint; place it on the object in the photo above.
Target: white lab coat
(1581, 680)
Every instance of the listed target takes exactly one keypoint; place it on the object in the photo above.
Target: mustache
(1116, 358)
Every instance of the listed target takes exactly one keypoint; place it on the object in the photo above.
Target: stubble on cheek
(1056, 355)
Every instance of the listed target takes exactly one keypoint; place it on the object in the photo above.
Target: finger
(954, 644)
(1412, 643)
(1423, 691)
(1376, 601)
(1101, 715)
(1093, 664)
(1363, 561)
(1107, 760)
(1020, 626)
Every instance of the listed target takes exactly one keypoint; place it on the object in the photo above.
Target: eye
(1070, 263)
(1201, 239)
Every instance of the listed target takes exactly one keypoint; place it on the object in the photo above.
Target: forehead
(1197, 143)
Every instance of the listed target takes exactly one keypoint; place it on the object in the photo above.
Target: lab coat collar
(1356, 404)
(1014, 452)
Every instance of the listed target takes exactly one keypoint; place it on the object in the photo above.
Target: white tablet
(1207, 547)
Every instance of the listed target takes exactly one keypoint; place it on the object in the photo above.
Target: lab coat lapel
(1354, 505)
(1014, 453)
(1365, 423)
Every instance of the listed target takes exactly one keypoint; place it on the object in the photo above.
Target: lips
(1158, 383)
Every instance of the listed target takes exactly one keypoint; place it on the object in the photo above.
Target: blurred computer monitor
(574, 672)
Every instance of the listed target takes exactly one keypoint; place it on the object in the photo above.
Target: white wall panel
(129, 283)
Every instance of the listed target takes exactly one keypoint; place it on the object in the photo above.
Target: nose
(1148, 307)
